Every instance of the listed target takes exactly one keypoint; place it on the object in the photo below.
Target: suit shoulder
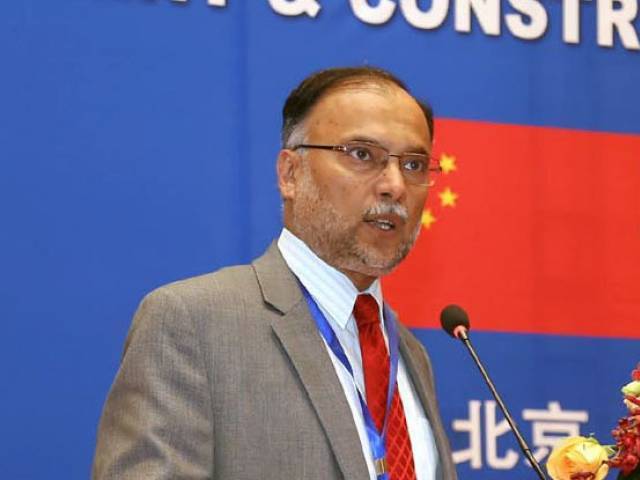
(228, 281)
(220, 293)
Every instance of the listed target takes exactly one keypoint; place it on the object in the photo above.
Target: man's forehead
(352, 89)
(350, 104)
(344, 100)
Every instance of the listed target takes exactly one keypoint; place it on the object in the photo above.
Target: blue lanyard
(376, 438)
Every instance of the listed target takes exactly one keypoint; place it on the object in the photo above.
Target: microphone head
(452, 317)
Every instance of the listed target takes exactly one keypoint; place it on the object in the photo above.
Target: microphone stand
(461, 333)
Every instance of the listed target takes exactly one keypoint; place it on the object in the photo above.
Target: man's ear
(287, 169)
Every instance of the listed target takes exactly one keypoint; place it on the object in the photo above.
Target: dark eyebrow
(417, 149)
(364, 139)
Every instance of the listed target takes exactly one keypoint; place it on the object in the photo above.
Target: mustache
(384, 208)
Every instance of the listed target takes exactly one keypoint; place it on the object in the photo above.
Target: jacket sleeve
(157, 420)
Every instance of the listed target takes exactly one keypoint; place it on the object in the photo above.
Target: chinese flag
(530, 229)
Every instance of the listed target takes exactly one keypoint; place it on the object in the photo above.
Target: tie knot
(366, 311)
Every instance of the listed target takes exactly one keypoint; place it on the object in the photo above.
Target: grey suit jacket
(225, 376)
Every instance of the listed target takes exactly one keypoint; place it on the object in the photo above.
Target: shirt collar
(330, 288)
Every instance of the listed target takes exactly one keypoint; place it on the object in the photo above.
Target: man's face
(363, 225)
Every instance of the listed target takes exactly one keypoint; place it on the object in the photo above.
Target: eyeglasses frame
(342, 148)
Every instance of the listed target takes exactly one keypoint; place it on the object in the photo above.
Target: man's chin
(383, 258)
(374, 265)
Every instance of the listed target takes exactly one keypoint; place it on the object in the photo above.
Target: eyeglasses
(369, 158)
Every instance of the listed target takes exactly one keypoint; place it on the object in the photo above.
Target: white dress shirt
(335, 294)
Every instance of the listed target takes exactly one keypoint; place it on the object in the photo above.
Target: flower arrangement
(580, 458)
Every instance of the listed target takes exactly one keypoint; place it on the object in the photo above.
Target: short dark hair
(308, 93)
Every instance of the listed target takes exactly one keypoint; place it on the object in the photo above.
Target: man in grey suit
(265, 370)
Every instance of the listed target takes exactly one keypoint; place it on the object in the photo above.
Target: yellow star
(447, 163)
(448, 198)
(427, 218)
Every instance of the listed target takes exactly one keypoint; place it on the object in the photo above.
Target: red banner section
(530, 229)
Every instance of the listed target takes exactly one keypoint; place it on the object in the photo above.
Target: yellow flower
(632, 388)
(578, 455)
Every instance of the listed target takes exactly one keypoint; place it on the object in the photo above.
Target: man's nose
(391, 182)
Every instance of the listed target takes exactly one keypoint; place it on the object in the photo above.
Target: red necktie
(375, 365)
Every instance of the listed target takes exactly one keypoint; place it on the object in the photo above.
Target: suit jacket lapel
(420, 373)
(300, 339)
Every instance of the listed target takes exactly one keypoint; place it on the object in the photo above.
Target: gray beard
(331, 236)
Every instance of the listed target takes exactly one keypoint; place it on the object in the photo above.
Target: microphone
(455, 322)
